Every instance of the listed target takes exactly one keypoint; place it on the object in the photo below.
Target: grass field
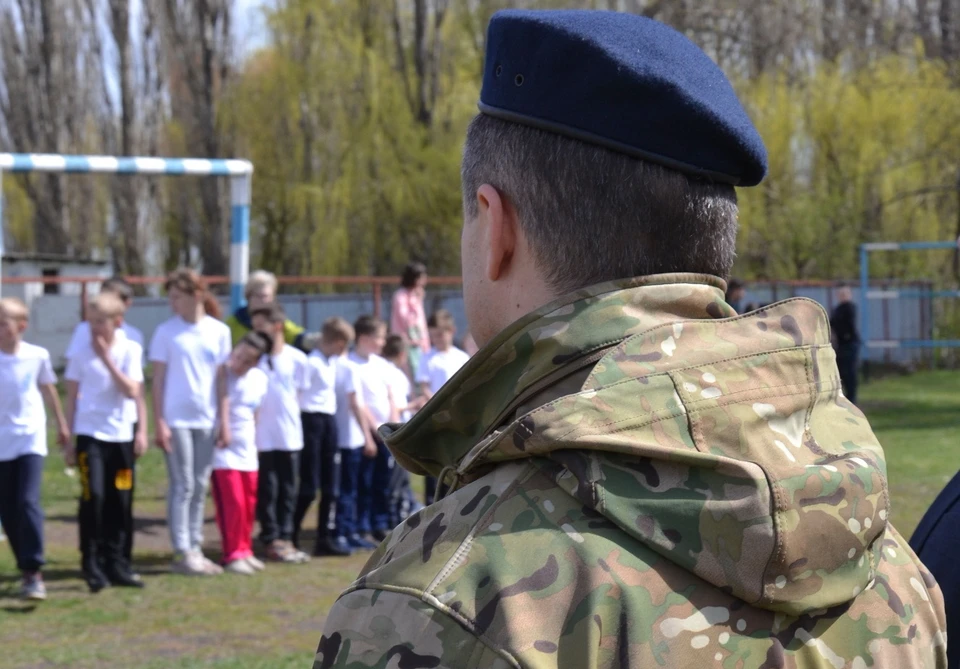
(274, 621)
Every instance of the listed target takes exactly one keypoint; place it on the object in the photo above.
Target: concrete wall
(32, 268)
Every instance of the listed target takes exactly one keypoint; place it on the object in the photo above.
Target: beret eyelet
(499, 70)
(518, 80)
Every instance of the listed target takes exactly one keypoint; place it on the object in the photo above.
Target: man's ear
(500, 222)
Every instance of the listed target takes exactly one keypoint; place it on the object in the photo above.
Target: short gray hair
(259, 280)
(620, 216)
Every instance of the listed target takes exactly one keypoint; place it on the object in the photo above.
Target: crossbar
(239, 171)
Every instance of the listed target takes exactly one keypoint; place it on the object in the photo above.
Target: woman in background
(407, 316)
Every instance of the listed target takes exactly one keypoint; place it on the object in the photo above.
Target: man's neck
(11, 349)
(444, 349)
(278, 345)
(363, 355)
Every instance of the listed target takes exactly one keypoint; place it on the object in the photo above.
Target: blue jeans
(20, 510)
(351, 465)
(374, 504)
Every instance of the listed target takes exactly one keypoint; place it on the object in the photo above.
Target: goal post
(240, 173)
(867, 295)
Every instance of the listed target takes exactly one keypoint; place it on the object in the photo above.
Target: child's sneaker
(211, 567)
(189, 564)
(32, 588)
(240, 567)
(255, 563)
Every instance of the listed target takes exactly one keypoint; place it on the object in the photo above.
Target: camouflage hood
(720, 442)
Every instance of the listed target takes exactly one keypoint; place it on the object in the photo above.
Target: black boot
(94, 576)
(123, 577)
(332, 546)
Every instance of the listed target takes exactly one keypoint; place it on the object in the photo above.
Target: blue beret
(624, 82)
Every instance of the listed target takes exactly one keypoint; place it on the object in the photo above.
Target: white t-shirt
(192, 352)
(81, 337)
(246, 395)
(374, 372)
(23, 419)
(320, 395)
(279, 427)
(349, 433)
(402, 389)
(103, 411)
(438, 367)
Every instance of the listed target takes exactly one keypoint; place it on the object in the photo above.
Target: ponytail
(211, 304)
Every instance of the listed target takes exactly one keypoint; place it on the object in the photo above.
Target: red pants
(235, 496)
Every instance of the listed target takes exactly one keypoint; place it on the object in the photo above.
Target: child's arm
(140, 441)
(127, 386)
(69, 452)
(162, 436)
(360, 413)
(223, 408)
(394, 407)
(50, 394)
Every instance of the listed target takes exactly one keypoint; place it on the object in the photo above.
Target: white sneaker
(209, 565)
(240, 567)
(189, 564)
(256, 564)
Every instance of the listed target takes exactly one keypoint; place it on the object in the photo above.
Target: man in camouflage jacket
(638, 476)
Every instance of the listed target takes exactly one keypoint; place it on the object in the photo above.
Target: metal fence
(53, 317)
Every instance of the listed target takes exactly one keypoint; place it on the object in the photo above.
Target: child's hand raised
(100, 346)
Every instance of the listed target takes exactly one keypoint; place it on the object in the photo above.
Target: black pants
(129, 529)
(277, 495)
(848, 357)
(20, 511)
(106, 502)
(319, 471)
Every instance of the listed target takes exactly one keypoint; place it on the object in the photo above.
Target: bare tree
(199, 53)
(50, 87)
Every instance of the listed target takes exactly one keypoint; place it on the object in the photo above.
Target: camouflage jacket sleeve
(378, 628)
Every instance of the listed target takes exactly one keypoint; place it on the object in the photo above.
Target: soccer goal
(240, 173)
(870, 295)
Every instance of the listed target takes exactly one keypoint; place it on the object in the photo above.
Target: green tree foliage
(354, 178)
(855, 156)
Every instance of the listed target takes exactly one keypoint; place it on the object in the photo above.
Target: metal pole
(864, 301)
(240, 187)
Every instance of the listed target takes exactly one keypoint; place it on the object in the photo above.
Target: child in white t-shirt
(320, 457)
(373, 506)
(104, 380)
(81, 340)
(26, 379)
(236, 464)
(403, 503)
(444, 359)
(279, 437)
(355, 441)
(438, 366)
(189, 353)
